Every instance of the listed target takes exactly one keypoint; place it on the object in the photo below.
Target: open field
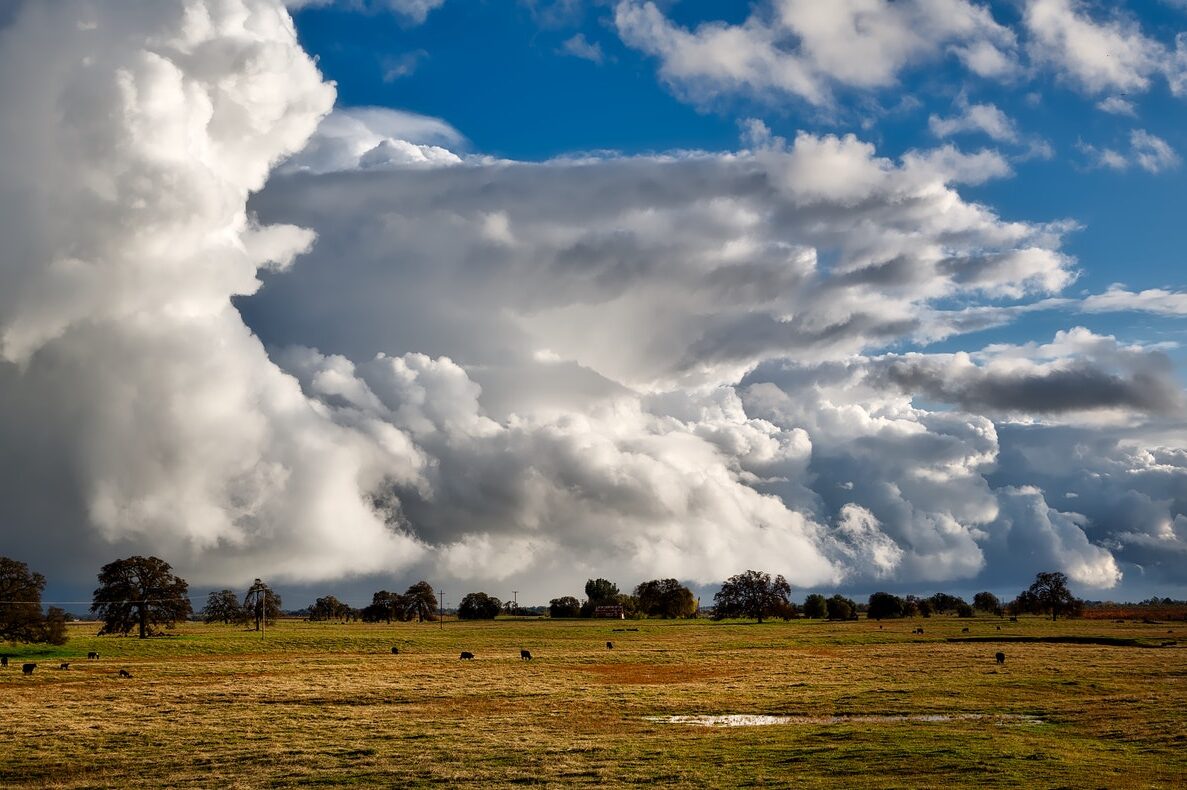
(325, 704)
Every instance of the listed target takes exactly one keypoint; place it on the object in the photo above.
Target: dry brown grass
(329, 705)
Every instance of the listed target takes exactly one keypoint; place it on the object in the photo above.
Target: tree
(140, 592)
(568, 606)
(964, 610)
(55, 626)
(1051, 594)
(261, 604)
(752, 594)
(420, 601)
(384, 606)
(841, 608)
(884, 604)
(943, 602)
(665, 598)
(223, 606)
(479, 606)
(21, 619)
(922, 605)
(815, 606)
(328, 608)
(986, 602)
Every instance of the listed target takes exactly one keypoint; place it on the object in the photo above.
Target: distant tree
(479, 606)
(21, 619)
(986, 602)
(884, 605)
(815, 606)
(328, 608)
(752, 594)
(55, 626)
(964, 610)
(420, 602)
(568, 606)
(261, 604)
(1025, 603)
(223, 606)
(1051, 594)
(665, 598)
(140, 592)
(841, 608)
(943, 602)
(385, 606)
(922, 605)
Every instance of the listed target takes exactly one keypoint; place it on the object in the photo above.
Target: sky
(510, 294)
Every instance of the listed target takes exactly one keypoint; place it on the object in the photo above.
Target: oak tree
(142, 593)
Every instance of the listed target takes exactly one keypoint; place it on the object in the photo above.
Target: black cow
(466, 655)
(28, 668)
(125, 673)
(964, 630)
(395, 651)
(1001, 658)
(64, 665)
(92, 655)
(609, 645)
(3, 661)
(525, 655)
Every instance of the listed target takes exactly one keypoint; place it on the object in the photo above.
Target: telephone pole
(441, 606)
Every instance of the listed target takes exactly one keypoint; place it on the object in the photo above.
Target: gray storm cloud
(389, 358)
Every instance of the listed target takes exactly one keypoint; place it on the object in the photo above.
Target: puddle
(757, 720)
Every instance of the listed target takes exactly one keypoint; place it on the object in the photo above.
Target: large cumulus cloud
(493, 371)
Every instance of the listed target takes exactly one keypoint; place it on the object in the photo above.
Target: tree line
(143, 594)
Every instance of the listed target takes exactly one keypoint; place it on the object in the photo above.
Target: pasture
(327, 704)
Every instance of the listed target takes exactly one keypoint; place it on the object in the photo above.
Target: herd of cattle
(466, 655)
(28, 667)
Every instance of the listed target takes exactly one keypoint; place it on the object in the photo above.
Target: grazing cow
(28, 668)
(64, 665)
(3, 661)
(92, 655)
(964, 630)
(125, 673)
(467, 655)
(999, 628)
(609, 645)
(1001, 658)
(395, 651)
(525, 655)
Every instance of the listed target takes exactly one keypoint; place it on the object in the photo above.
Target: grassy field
(326, 704)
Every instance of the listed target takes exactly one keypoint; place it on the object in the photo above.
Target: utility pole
(441, 606)
(514, 601)
(259, 604)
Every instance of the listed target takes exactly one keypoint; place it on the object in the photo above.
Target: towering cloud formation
(134, 398)
(647, 366)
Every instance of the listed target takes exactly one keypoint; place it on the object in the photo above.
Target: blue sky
(503, 294)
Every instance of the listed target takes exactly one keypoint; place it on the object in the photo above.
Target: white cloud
(580, 47)
(655, 365)
(805, 48)
(1151, 153)
(1115, 105)
(1153, 300)
(359, 138)
(1147, 151)
(1095, 55)
(984, 118)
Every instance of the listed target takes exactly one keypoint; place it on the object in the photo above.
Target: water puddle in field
(758, 720)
